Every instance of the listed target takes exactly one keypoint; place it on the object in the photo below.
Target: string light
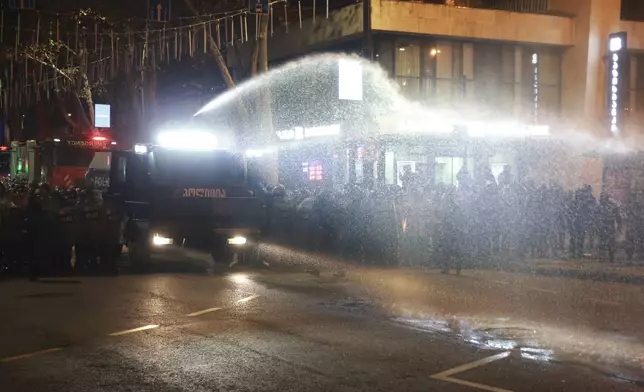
(111, 38)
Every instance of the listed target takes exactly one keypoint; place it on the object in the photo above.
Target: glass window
(316, 172)
(385, 55)
(402, 167)
(639, 85)
(541, 86)
(488, 74)
(407, 61)
(202, 168)
(447, 169)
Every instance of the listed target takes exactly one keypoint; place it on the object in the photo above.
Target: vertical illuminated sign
(617, 60)
(102, 116)
(350, 80)
(535, 87)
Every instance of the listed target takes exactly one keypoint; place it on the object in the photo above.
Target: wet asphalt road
(255, 330)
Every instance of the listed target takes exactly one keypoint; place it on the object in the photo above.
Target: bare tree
(214, 49)
(73, 89)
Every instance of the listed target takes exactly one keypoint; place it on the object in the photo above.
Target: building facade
(539, 62)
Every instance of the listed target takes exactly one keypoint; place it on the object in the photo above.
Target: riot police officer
(36, 233)
(89, 219)
(65, 231)
(109, 247)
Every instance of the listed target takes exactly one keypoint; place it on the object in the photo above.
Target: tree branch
(221, 63)
(52, 66)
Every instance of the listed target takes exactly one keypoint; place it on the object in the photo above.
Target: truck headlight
(140, 149)
(237, 240)
(160, 240)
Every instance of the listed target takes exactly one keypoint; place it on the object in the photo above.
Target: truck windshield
(198, 168)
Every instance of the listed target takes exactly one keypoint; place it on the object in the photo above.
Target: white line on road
(545, 291)
(602, 301)
(445, 376)
(151, 326)
(472, 365)
(252, 297)
(199, 313)
(472, 384)
(30, 355)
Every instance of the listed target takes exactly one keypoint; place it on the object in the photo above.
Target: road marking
(446, 375)
(30, 355)
(602, 301)
(472, 384)
(472, 365)
(199, 313)
(252, 297)
(545, 291)
(151, 326)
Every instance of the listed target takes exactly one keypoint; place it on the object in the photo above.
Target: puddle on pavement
(350, 305)
(526, 343)
(45, 295)
(498, 338)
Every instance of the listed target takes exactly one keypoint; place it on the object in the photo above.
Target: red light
(4, 148)
(316, 172)
(99, 138)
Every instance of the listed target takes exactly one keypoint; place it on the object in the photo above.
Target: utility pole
(270, 174)
(367, 38)
(264, 19)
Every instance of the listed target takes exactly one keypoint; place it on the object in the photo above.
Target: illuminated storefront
(309, 155)
(438, 146)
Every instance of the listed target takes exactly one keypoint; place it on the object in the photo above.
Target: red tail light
(99, 138)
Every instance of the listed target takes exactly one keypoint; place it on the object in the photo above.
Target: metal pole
(367, 43)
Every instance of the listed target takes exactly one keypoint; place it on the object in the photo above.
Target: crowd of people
(478, 221)
(45, 230)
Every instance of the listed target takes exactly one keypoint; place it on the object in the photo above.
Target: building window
(407, 63)
(22, 4)
(535, 86)
(385, 55)
(447, 169)
(541, 84)
(637, 85)
(488, 75)
(316, 172)
(429, 62)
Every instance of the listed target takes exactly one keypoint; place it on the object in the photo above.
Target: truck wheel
(138, 255)
(109, 259)
(252, 257)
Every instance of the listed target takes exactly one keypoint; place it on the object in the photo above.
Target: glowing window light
(614, 86)
(316, 172)
(616, 44)
(616, 54)
(140, 149)
(535, 86)
(350, 80)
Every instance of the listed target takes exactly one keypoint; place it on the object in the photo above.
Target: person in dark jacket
(583, 225)
(449, 233)
(609, 224)
(36, 234)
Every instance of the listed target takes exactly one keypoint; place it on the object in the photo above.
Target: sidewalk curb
(590, 275)
(561, 272)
